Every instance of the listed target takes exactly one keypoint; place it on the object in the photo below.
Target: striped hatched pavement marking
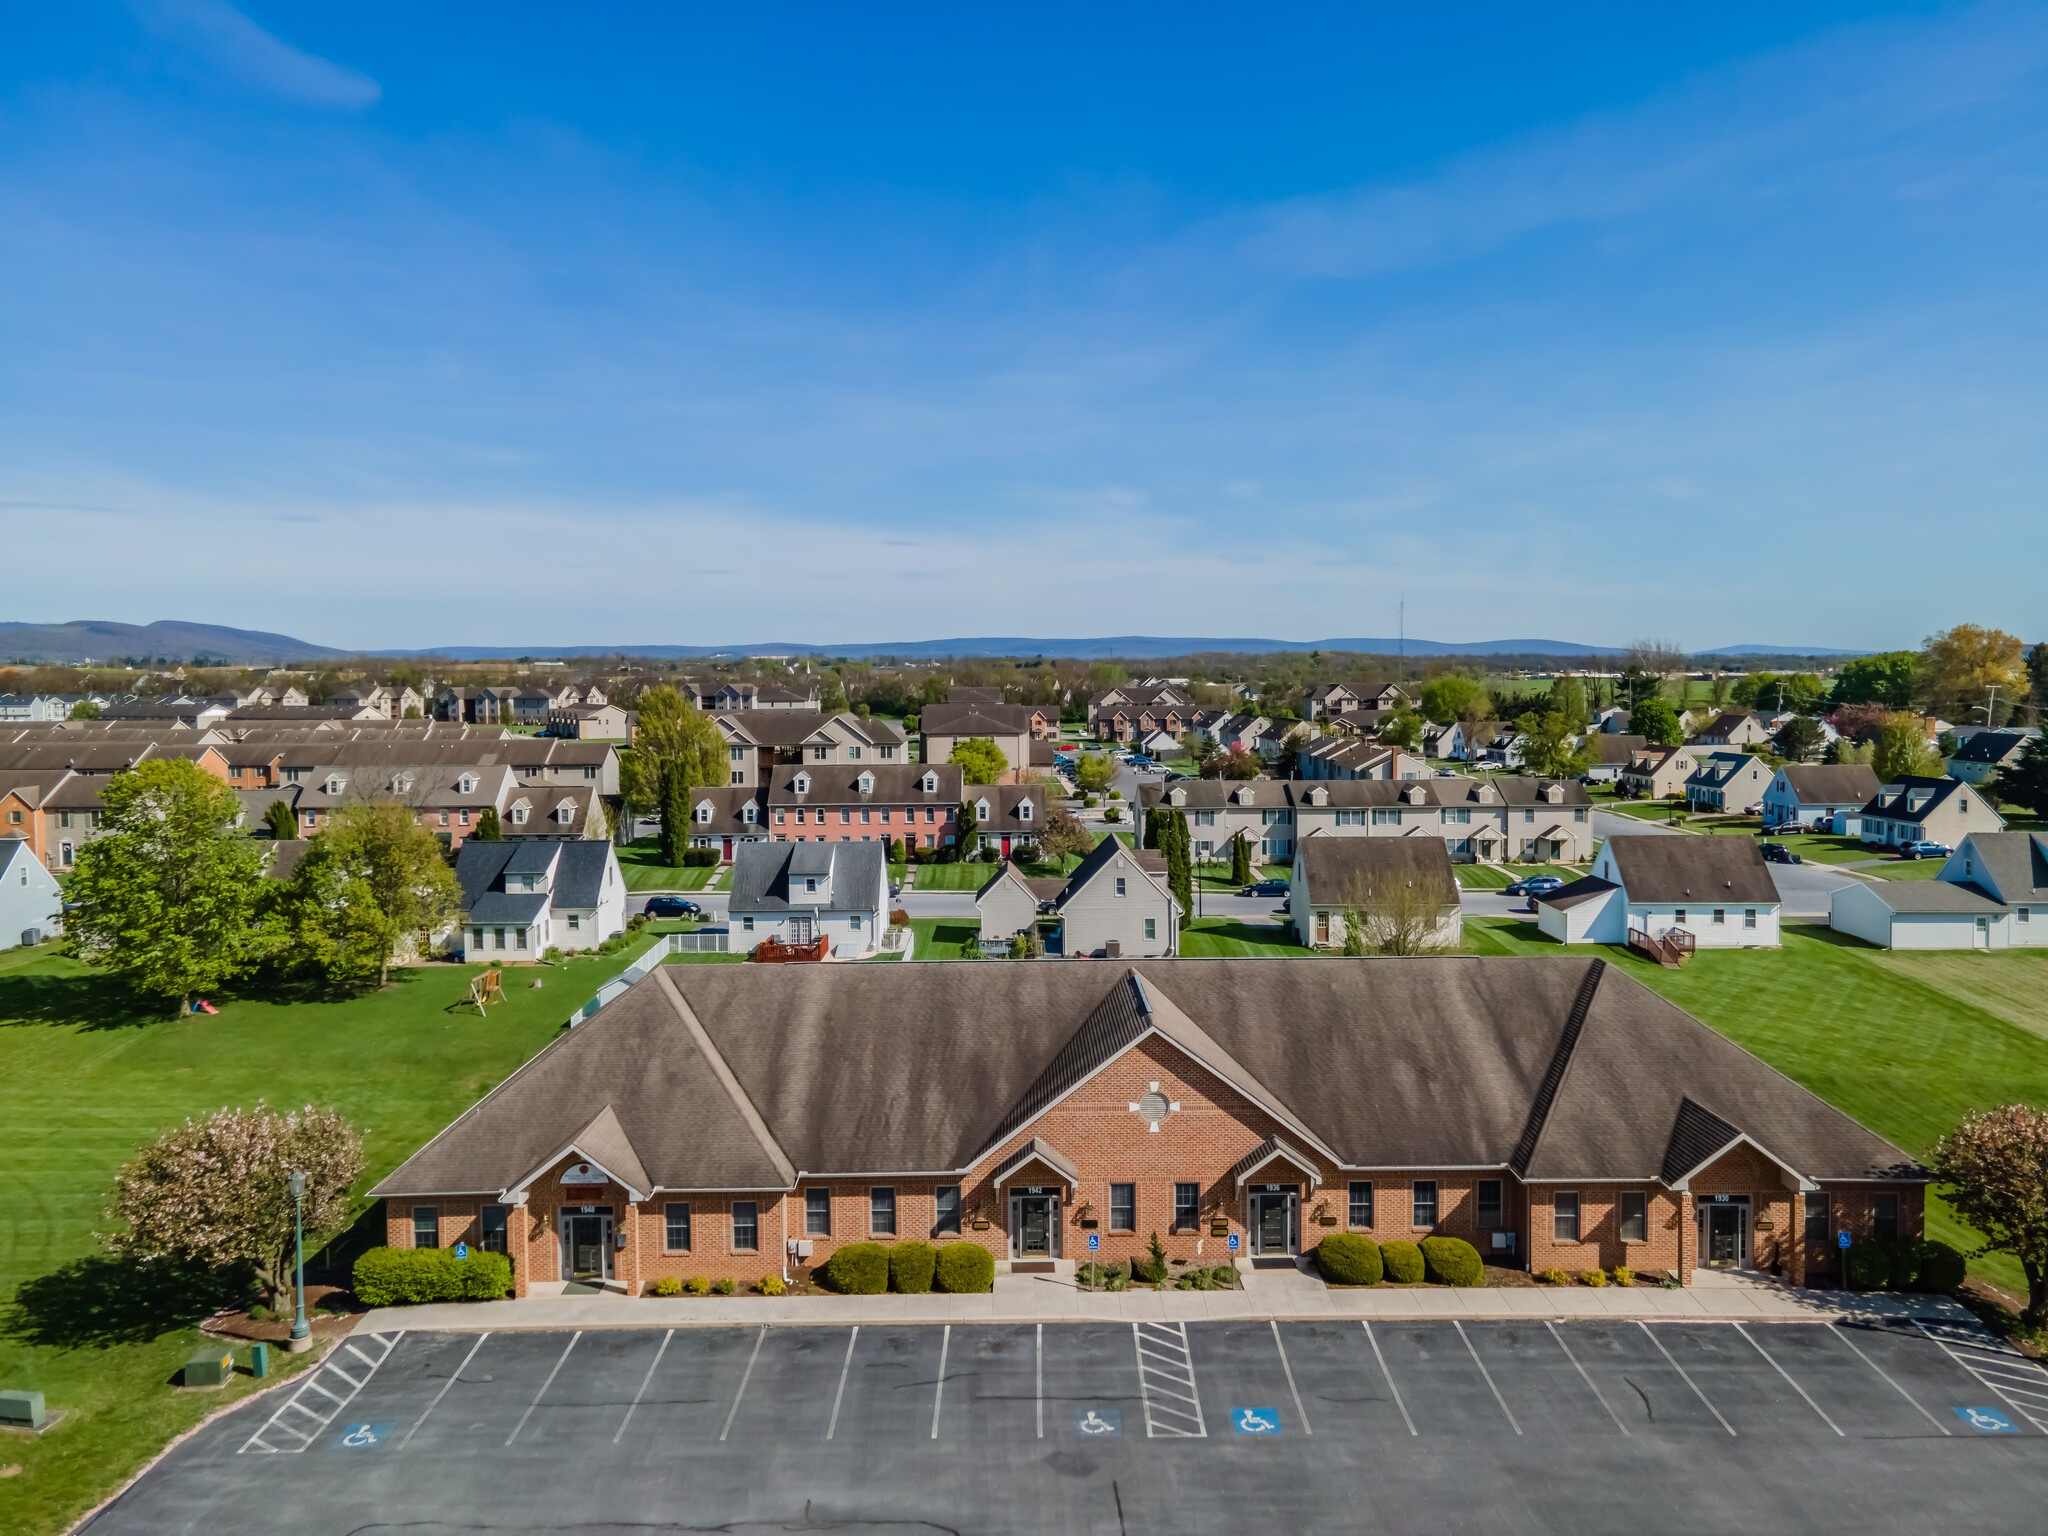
(1166, 1378)
(2021, 1383)
(307, 1417)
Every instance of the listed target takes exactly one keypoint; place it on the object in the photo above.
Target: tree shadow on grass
(93, 1001)
(106, 1299)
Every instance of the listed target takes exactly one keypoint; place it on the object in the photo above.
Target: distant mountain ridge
(103, 640)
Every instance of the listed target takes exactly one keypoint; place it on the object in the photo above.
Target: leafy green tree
(1995, 1167)
(324, 921)
(981, 760)
(1401, 727)
(1885, 679)
(1094, 772)
(282, 820)
(1799, 740)
(1657, 722)
(967, 828)
(675, 820)
(167, 894)
(400, 863)
(1549, 749)
(1240, 860)
(487, 828)
(1959, 667)
(676, 740)
(85, 709)
(1453, 697)
(831, 693)
(1903, 750)
(2026, 781)
(1568, 698)
(2037, 681)
(216, 1193)
(1801, 692)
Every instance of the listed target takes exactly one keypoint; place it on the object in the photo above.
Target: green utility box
(210, 1367)
(22, 1408)
(259, 1361)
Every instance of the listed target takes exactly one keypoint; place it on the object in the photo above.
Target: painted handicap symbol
(1987, 1421)
(1106, 1421)
(1255, 1421)
(362, 1437)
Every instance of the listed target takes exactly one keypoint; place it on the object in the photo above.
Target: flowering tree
(217, 1193)
(1997, 1166)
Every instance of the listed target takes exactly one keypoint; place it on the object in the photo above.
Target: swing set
(487, 988)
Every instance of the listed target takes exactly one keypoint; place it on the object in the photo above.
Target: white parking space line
(939, 1390)
(1816, 1407)
(1487, 1374)
(543, 1392)
(1299, 1411)
(1375, 1343)
(837, 1397)
(1166, 1379)
(2021, 1384)
(1588, 1380)
(416, 1423)
(747, 1376)
(643, 1385)
(1040, 1372)
(1682, 1376)
(1839, 1333)
(290, 1430)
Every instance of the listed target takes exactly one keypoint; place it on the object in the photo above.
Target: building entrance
(587, 1245)
(1275, 1219)
(1034, 1224)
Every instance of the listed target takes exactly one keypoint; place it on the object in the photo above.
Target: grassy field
(1229, 939)
(640, 862)
(88, 1076)
(1498, 877)
(942, 938)
(1906, 1043)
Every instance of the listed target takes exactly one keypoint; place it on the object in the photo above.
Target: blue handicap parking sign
(1841, 1239)
(1233, 1242)
(1096, 1423)
(1987, 1421)
(362, 1437)
(462, 1250)
(1094, 1241)
(1255, 1421)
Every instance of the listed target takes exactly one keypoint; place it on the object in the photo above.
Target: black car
(1266, 888)
(672, 906)
(1778, 853)
(1535, 885)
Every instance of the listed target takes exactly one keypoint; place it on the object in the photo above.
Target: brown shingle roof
(1679, 869)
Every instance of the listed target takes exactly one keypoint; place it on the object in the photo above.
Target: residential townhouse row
(1489, 820)
(916, 804)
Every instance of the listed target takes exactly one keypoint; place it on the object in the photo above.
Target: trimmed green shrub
(399, 1277)
(699, 858)
(1867, 1267)
(668, 1285)
(1152, 1268)
(1942, 1268)
(911, 1266)
(1102, 1277)
(722, 1287)
(1452, 1261)
(1403, 1262)
(770, 1285)
(1350, 1258)
(964, 1268)
(858, 1269)
(698, 1286)
(1553, 1276)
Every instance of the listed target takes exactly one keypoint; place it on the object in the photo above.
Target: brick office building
(1552, 1112)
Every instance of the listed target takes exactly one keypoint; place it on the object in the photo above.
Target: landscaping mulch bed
(236, 1323)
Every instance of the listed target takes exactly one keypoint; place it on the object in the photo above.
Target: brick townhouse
(918, 804)
(737, 1121)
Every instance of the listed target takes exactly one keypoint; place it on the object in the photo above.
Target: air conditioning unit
(31, 937)
(1504, 1240)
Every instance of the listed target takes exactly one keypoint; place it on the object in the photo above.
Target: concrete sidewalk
(1266, 1294)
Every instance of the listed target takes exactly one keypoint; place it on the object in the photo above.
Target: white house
(523, 897)
(1991, 893)
(1818, 794)
(1335, 876)
(797, 893)
(31, 901)
(1717, 889)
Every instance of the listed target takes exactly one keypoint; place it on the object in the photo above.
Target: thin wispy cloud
(222, 35)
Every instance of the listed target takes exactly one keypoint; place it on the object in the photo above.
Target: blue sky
(390, 326)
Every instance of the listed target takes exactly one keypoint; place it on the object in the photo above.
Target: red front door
(728, 849)
(1006, 847)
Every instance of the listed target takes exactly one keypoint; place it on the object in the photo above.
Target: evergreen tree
(2026, 781)
(969, 829)
(487, 829)
(282, 820)
(1175, 843)
(675, 818)
(1240, 860)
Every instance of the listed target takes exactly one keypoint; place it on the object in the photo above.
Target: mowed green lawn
(1230, 939)
(1498, 877)
(1906, 1043)
(87, 1078)
(640, 862)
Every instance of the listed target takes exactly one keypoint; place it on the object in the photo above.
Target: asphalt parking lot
(1115, 1429)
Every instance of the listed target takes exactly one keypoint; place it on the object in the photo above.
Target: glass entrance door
(1035, 1223)
(1273, 1215)
(1724, 1236)
(588, 1249)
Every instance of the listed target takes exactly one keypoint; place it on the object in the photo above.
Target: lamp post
(302, 1332)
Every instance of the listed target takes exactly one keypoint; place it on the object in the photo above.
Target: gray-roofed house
(1009, 901)
(1991, 893)
(1717, 889)
(1335, 877)
(798, 893)
(1116, 903)
(523, 898)
(737, 1120)
(1914, 809)
(1979, 759)
(1735, 728)
(1819, 795)
(728, 814)
(1612, 752)
(1727, 780)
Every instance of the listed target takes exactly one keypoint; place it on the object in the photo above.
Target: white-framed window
(1634, 1215)
(1151, 928)
(1564, 1217)
(1425, 1204)
(1123, 1207)
(676, 1227)
(746, 1226)
(1720, 917)
(1749, 917)
(882, 1211)
(1359, 1208)
(853, 922)
(817, 1213)
(1024, 810)
(801, 784)
(575, 922)
(746, 925)
(1120, 885)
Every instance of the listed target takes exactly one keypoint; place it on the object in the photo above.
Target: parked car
(1778, 853)
(1266, 888)
(672, 906)
(1786, 829)
(1925, 850)
(1535, 885)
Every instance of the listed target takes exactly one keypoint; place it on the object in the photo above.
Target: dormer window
(746, 813)
(801, 784)
(467, 784)
(704, 811)
(519, 815)
(1177, 796)
(333, 785)
(400, 783)
(1024, 810)
(1554, 794)
(867, 783)
(565, 812)
(981, 810)
(1416, 795)
(929, 783)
